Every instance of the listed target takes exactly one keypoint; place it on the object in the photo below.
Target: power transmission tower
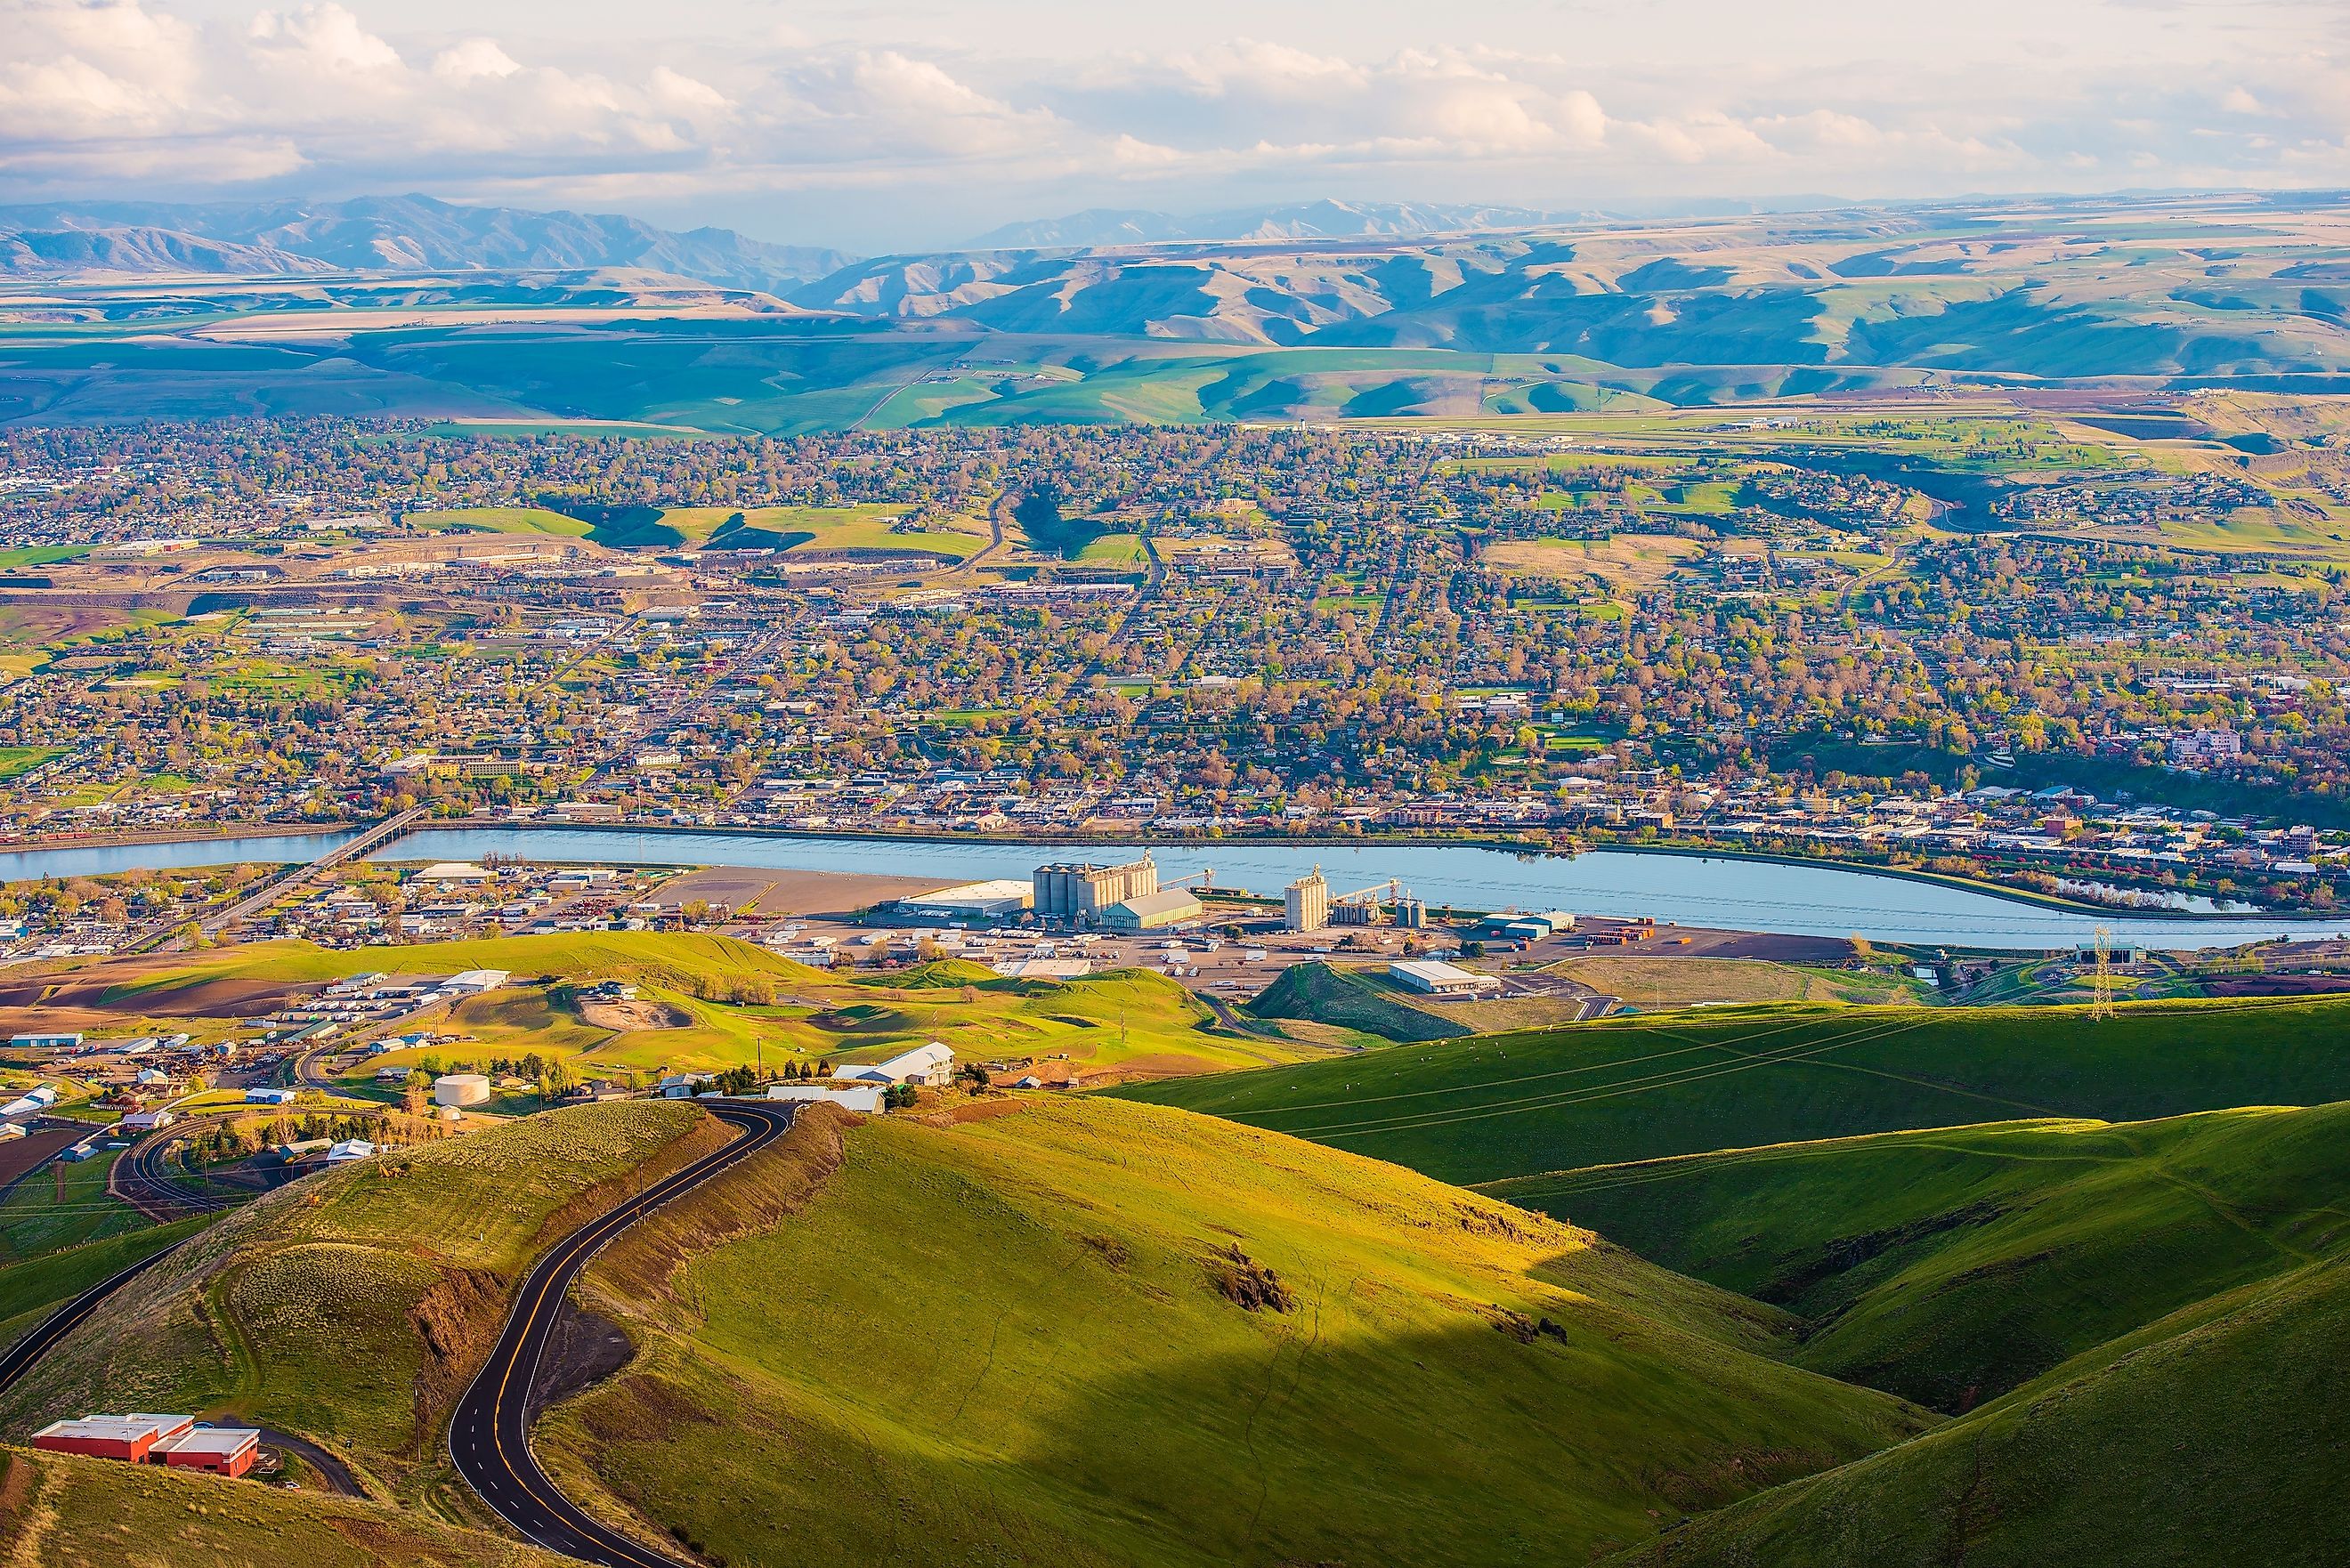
(2101, 1005)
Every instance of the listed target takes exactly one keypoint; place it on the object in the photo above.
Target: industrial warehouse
(1131, 898)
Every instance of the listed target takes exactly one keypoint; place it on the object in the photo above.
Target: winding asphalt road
(489, 1435)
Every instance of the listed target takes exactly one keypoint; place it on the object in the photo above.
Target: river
(1700, 890)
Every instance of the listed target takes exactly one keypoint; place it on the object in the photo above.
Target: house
(148, 1121)
(349, 1149)
(932, 1065)
(685, 1085)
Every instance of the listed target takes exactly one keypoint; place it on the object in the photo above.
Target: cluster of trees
(1338, 674)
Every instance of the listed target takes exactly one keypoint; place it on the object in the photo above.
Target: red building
(129, 1438)
(222, 1450)
(163, 1439)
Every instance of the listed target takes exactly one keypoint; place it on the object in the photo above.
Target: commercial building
(47, 1041)
(1305, 903)
(148, 1121)
(461, 1089)
(32, 1103)
(1069, 890)
(222, 1450)
(1433, 978)
(994, 900)
(931, 1065)
(474, 981)
(128, 1437)
(1152, 911)
(1529, 927)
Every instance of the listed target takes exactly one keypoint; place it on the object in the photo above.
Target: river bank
(1750, 891)
(1498, 844)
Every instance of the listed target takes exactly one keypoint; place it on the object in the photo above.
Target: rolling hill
(1490, 1107)
(1324, 220)
(347, 1308)
(1324, 313)
(713, 1003)
(68, 1512)
(1089, 1332)
(1952, 1266)
(378, 234)
(2211, 1440)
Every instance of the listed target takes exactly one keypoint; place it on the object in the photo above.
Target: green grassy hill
(711, 1003)
(1324, 993)
(347, 1307)
(2213, 1439)
(1520, 1105)
(66, 1512)
(31, 1289)
(1951, 1266)
(1087, 1332)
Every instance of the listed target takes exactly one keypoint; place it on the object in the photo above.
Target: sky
(912, 124)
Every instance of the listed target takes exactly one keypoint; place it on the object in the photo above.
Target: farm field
(32, 1287)
(501, 520)
(1288, 1355)
(1653, 984)
(1626, 564)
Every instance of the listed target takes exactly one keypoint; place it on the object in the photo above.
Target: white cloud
(99, 96)
(324, 39)
(473, 60)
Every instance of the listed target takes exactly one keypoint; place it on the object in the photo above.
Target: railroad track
(138, 1178)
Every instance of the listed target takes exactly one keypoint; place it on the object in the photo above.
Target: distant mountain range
(1323, 219)
(380, 234)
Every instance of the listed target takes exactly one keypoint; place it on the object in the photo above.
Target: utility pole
(2101, 1005)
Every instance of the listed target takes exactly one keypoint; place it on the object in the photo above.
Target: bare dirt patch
(20, 1156)
(780, 893)
(585, 1348)
(627, 1017)
(128, 988)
